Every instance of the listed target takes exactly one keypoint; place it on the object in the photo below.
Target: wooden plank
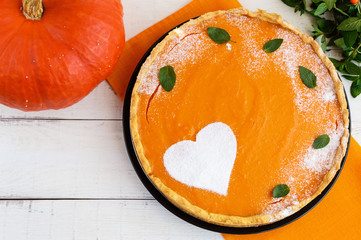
(101, 103)
(66, 159)
(69, 159)
(94, 220)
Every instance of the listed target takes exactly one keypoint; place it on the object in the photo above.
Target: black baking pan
(180, 213)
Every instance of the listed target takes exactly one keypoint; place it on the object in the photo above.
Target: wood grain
(69, 159)
(94, 220)
(66, 159)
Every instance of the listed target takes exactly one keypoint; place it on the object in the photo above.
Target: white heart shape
(206, 163)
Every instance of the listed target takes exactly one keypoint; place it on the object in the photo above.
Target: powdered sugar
(316, 160)
(321, 160)
(278, 205)
(292, 58)
(229, 46)
(187, 46)
(255, 54)
(206, 163)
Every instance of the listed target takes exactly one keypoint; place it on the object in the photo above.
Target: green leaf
(280, 190)
(321, 9)
(167, 77)
(356, 88)
(331, 42)
(290, 3)
(352, 68)
(325, 25)
(323, 43)
(350, 24)
(335, 62)
(272, 45)
(350, 38)
(330, 4)
(351, 78)
(321, 142)
(218, 35)
(340, 42)
(341, 68)
(358, 57)
(317, 30)
(307, 77)
(299, 5)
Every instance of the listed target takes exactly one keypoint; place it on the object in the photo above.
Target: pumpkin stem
(33, 9)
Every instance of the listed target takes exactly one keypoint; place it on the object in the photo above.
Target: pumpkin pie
(239, 133)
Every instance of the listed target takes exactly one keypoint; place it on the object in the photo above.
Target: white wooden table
(66, 174)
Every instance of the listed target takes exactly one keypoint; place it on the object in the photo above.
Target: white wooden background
(66, 175)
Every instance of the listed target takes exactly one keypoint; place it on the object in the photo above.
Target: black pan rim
(180, 213)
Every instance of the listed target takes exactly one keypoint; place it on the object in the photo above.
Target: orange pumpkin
(53, 53)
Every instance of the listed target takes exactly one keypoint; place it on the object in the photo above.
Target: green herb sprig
(342, 28)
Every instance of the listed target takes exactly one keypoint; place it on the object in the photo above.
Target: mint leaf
(321, 9)
(330, 4)
(307, 77)
(356, 88)
(350, 38)
(325, 25)
(317, 32)
(335, 62)
(299, 5)
(272, 45)
(350, 24)
(323, 43)
(340, 42)
(352, 68)
(351, 78)
(321, 142)
(290, 3)
(167, 77)
(280, 190)
(218, 35)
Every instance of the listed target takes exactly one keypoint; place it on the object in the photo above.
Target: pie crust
(231, 220)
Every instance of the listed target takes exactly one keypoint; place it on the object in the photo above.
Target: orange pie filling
(274, 117)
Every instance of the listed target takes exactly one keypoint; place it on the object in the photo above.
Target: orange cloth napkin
(337, 216)
(135, 48)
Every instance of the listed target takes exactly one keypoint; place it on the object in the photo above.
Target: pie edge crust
(229, 220)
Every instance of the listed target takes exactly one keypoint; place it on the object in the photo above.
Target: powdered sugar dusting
(278, 205)
(321, 160)
(315, 160)
(254, 52)
(292, 58)
(229, 46)
(178, 50)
